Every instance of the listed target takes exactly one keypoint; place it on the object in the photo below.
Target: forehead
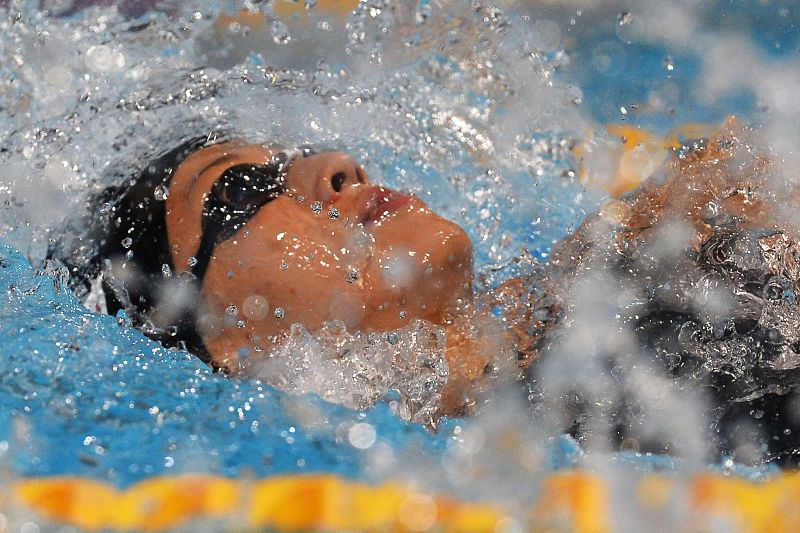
(191, 182)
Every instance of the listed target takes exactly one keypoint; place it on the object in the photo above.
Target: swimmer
(221, 246)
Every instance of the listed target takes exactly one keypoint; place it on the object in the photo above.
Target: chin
(424, 275)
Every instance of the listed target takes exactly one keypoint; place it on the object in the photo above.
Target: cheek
(275, 277)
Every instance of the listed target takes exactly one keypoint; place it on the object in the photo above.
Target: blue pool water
(89, 397)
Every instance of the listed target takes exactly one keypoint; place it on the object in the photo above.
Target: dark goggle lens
(244, 186)
(237, 196)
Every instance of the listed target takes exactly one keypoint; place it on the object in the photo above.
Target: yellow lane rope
(569, 501)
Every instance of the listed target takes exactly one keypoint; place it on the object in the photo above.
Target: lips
(379, 202)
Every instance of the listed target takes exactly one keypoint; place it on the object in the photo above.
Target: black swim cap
(129, 248)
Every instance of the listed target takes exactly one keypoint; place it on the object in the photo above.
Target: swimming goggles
(239, 193)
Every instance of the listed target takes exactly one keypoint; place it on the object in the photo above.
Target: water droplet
(192, 261)
(609, 58)
(284, 265)
(161, 193)
(241, 324)
(29, 527)
(279, 312)
(166, 271)
(255, 307)
(333, 213)
(361, 435)
(280, 33)
(352, 276)
(316, 207)
(103, 58)
(127, 242)
(231, 310)
(402, 314)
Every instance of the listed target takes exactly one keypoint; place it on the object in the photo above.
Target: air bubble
(392, 338)
(333, 213)
(352, 277)
(284, 265)
(192, 261)
(166, 271)
(279, 312)
(231, 310)
(316, 207)
(127, 242)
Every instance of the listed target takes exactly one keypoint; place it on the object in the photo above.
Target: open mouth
(379, 202)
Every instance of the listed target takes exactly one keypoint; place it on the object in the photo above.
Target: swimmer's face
(331, 246)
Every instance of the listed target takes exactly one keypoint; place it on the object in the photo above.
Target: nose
(325, 177)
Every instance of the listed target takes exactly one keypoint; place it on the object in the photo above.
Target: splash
(462, 103)
(419, 95)
(357, 370)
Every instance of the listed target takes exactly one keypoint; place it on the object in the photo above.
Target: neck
(479, 348)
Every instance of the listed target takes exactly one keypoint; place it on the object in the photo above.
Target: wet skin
(385, 260)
